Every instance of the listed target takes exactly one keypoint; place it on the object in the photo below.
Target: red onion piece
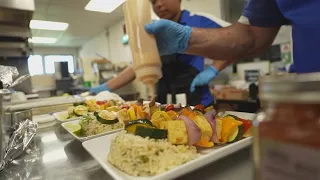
(194, 133)
(211, 118)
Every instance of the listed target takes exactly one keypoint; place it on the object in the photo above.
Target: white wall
(205, 6)
(284, 35)
(212, 7)
(118, 51)
(97, 44)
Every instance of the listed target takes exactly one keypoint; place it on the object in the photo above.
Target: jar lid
(304, 88)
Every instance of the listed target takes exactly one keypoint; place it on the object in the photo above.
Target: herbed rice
(139, 156)
(91, 126)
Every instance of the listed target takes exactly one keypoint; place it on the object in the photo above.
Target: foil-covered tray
(7, 73)
(19, 140)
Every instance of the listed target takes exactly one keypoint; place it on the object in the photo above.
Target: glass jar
(287, 133)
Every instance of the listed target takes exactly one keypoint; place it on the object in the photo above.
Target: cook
(254, 32)
(179, 70)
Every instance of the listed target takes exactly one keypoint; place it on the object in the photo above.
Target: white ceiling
(82, 24)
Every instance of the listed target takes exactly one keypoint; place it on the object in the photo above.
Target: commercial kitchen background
(92, 35)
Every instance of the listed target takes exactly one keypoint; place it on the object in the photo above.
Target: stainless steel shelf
(13, 53)
(14, 31)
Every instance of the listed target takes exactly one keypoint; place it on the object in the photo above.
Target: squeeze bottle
(146, 58)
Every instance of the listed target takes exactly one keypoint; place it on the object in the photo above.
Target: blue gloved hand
(204, 78)
(171, 37)
(100, 88)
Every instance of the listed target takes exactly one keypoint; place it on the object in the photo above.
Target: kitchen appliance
(15, 49)
(21, 63)
(9, 120)
(64, 70)
(15, 17)
(13, 118)
(5, 99)
(14, 27)
(18, 96)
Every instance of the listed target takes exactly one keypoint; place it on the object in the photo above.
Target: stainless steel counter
(55, 155)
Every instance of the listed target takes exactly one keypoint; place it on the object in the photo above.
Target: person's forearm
(230, 43)
(224, 43)
(122, 79)
(221, 64)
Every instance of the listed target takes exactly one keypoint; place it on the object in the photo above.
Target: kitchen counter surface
(55, 155)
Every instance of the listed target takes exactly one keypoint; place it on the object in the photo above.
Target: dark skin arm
(122, 79)
(221, 64)
(231, 43)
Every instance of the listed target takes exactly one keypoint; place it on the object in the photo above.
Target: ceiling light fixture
(42, 40)
(104, 6)
(48, 25)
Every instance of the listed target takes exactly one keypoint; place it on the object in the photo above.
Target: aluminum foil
(7, 73)
(19, 141)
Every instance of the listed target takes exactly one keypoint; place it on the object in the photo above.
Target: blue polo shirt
(303, 15)
(197, 61)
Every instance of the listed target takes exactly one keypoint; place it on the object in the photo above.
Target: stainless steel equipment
(15, 16)
(20, 80)
(12, 118)
(6, 154)
(22, 65)
(17, 12)
(5, 99)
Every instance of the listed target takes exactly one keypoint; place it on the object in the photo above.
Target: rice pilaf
(91, 126)
(140, 156)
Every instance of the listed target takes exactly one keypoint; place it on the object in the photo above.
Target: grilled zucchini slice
(106, 117)
(81, 110)
(152, 133)
(132, 125)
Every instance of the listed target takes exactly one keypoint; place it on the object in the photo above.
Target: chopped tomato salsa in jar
(287, 132)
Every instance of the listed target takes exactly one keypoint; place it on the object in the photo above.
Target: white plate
(43, 118)
(99, 149)
(61, 116)
(82, 139)
(243, 115)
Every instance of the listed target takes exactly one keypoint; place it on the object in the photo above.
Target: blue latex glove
(204, 78)
(100, 88)
(171, 37)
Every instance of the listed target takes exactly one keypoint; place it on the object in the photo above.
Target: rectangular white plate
(99, 149)
(61, 116)
(82, 139)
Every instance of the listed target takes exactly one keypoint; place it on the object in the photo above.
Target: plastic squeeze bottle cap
(149, 75)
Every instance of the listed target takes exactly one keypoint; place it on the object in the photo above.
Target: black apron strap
(183, 82)
(164, 84)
